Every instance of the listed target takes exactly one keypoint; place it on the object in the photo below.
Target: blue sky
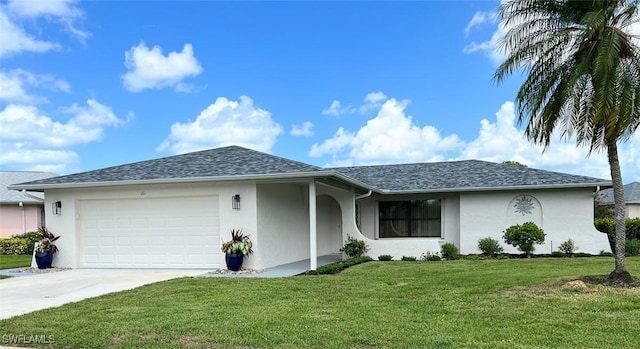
(87, 85)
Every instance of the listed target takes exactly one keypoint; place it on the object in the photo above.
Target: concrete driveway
(24, 294)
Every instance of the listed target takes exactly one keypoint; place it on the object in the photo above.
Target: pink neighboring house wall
(17, 220)
(20, 213)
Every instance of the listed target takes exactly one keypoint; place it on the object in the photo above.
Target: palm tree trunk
(619, 273)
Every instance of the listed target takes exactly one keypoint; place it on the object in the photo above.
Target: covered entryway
(329, 225)
(172, 232)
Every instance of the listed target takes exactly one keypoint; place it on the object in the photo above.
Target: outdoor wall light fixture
(235, 202)
(56, 208)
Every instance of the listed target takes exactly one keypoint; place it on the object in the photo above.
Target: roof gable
(461, 175)
(8, 178)
(236, 163)
(219, 162)
(631, 194)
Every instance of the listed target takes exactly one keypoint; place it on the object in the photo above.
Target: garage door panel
(150, 233)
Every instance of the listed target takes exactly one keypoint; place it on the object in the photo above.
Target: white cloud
(148, 68)
(490, 47)
(13, 85)
(501, 140)
(479, 18)
(34, 140)
(56, 161)
(225, 123)
(390, 137)
(28, 125)
(63, 11)
(394, 137)
(39, 8)
(335, 109)
(15, 40)
(340, 140)
(306, 129)
(372, 100)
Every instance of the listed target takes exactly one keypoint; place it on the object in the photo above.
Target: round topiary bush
(524, 236)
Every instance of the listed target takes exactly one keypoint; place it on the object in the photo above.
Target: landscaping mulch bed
(39, 271)
(605, 281)
(230, 272)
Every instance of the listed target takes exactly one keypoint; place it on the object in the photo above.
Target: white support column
(313, 234)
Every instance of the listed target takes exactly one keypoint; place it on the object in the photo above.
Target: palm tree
(583, 79)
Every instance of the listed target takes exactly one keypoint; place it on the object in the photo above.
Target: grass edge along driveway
(454, 304)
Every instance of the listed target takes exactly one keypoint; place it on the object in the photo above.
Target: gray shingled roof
(631, 194)
(219, 162)
(8, 178)
(461, 175)
(228, 162)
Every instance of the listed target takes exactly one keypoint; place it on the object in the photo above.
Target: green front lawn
(9, 262)
(454, 304)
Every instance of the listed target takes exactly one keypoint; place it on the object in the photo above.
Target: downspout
(364, 195)
(24, 218)
(355, 207)
(25, 193)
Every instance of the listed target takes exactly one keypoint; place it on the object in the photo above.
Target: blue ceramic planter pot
(44, 259)
(234, 261)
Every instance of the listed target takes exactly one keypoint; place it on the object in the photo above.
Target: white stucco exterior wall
(562, 214)
(66, 225)
(282, 223)
(398, 247)
(633, 210)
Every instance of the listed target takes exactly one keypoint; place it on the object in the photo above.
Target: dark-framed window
(410, 218)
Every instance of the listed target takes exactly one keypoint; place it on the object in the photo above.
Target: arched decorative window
(524, 208)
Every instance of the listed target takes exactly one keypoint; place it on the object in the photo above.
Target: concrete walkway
(284, 270)
(34, 291)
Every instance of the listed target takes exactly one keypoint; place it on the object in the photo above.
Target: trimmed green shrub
(30, 239)
(409, 258)
(14, 246)
(632, 228)
(354, 247)
(337, 267)
(504, 256)
(568, 247)
(430, 257)
(632, 247)
(603, 253)
(607, 225)
(558, 254)
(490, 247)
(582, 254)
(449, 251)
(524, 236)
(385, 257)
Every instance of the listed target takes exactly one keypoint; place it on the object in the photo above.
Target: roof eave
(233, 178)
(502, 188)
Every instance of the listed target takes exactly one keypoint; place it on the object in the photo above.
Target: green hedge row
(607, 225)
(14, 246)
(340, 266)
(19, 244)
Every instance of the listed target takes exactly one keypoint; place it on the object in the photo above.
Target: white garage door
(150, 233)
